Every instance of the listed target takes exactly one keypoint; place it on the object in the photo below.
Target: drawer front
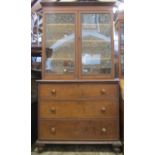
(96, 129)
(58, 91)
(79, 109)
(91, 91)
(88, 91)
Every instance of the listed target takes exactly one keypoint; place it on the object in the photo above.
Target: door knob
(103, 109)
(104, 130)
(103, 91)
(52, 110)
(53, 91)
(53, 130)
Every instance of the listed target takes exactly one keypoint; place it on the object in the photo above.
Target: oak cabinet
(78, 95)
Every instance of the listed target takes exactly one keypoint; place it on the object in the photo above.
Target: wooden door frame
(110, 76)
(57, 76)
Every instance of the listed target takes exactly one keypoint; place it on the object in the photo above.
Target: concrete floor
(76, 150)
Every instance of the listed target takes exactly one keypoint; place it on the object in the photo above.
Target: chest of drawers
(78, 112)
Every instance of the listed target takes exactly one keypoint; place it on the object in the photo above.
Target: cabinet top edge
(44, 4)
(78, 81)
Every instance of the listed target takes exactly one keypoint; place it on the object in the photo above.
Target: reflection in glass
(96, 43)
(60, 43)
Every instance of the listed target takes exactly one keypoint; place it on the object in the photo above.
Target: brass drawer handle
(103, 91)
(53, 130)
(53, 91)
(104, 130)
(52, 110)
(103, 109)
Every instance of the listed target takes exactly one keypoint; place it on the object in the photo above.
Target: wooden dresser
(78, 96)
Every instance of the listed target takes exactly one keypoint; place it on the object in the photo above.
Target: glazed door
(59, 45)
(96, 53)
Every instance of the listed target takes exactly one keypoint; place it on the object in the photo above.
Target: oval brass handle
(52, 110)
(53, 130)
(103, 91)
(104, 130)
(53, 91)
(103, 109)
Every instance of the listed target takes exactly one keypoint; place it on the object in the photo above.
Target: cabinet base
(116, 145)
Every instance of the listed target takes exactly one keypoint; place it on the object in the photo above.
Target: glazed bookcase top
(77, 44)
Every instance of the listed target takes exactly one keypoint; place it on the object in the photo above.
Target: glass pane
(96, 43)
(60, 43)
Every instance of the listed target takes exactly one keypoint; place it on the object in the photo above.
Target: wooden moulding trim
(77, 3)
(79, 118)
(62, 77)
(111, 98)
(78, 81)
(114, 142)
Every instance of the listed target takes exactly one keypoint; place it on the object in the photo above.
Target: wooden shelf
(97, 24)
(53, 40)
(60, 25)
(62, 59)
(101, 41)
(106, 24)
(36, 70)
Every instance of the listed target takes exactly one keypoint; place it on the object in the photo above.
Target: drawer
(87, 91)
(78, 109)
(58, 91)
(99, 90)
(87, 129)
